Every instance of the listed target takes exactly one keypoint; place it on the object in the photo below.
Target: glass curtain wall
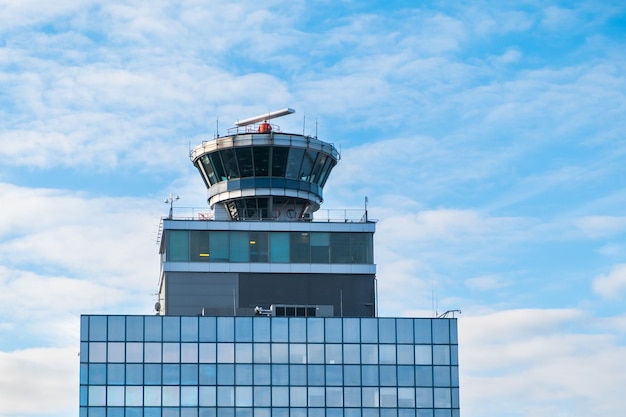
(268, 367)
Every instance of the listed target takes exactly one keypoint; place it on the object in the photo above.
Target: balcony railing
(325, 216)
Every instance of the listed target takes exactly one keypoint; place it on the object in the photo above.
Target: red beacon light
(265, 127)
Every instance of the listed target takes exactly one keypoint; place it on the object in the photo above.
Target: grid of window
(268, 367)
(273, 247)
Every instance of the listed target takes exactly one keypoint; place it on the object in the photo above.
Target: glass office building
(173, 366)
(265, 307)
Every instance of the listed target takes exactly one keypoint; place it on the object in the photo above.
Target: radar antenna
(265, 117)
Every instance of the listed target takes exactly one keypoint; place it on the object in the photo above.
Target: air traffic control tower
(267, 305)
(264, 248)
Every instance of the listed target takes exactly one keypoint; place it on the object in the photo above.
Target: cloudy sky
(489, 138)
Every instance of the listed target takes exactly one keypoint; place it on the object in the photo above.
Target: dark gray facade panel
(187, 293)
(351, 295)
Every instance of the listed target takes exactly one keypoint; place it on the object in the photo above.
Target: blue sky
(489, 138)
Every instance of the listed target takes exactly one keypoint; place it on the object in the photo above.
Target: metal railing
(323, 215)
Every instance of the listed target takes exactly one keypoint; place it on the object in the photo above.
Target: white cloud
(535, 364)
(611, 285)
(486, 282)
(602, 226)
(34, 380)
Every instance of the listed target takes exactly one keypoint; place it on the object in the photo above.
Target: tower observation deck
(257, 172)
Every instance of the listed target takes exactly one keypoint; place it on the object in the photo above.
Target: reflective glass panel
(239, 247)
(298, 397)
(315, 353)
(243, 396)
(152, 374)
(262, 353)
(424, 397)
(117, 328)
(134, 396)
(280, 396)
(243, 374)
(297, 353)
(262, 397)
(152, 352)
(279, 161)
(340, 248)
(207, 374)
(225, 374)
(299, 247)
(406, 375)
(208, 169)
(207, 396)
(225, 329)
(216, 161)
(388, 397)
(189, 396)
(369, 354)
(115, 374)
(387, 330)
(189, 352)
(134, 328)
(218, 246)
(261, 161)
(423, 355)
(153, 328)
(352, 375)
(171, 352)
(262, 374)
(317, 396)
(98, 328)
(294, 162)
(207, 326)
(225, 353)
(352, 353)
(171, 374)
(243, 329)
(177, 242)
(369, 375)
(97, 352)
(280, 330)
(351, 330)
(443, 397)
(369, 330)
(441, 331)
(243, 352)
(152, 396)
(279, 247)
(244, 158)
(424, 376)
(333, 331)
(297, 329)
(441, 354)
(208, 352)
(261, 329)
(334, 375)
(307, 165)
(97, 373)
(229, 158)
(189, 374)
(370, 397)
(387, 354)
(316, 374)
(388, 375)
(405, 330)
(441, 376)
